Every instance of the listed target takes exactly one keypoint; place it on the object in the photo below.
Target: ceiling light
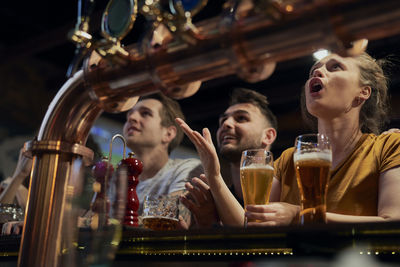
(320, 54)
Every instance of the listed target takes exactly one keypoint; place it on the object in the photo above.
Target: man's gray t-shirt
(170, 178)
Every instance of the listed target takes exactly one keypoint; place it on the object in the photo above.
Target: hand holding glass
(313, 160)
(256, 175)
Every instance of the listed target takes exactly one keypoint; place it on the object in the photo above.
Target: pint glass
(256, 175)
(312, 160)
(161, 213)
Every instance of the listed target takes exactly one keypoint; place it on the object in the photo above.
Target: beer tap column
(59, 155)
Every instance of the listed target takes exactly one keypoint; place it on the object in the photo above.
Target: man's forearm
(229, 209)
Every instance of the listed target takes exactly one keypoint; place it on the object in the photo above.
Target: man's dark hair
(169, 111)
(243, 95)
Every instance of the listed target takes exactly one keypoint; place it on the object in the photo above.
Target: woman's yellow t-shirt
(353, 186)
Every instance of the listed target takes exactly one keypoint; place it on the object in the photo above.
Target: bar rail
(380, 240)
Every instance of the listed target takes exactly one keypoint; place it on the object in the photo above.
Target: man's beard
(234, 154)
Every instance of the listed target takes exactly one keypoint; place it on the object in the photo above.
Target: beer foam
(324, 155)
(257, 166)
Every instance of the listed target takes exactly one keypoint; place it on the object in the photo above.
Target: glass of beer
(312, 159)
(161, 213)
(256, 175)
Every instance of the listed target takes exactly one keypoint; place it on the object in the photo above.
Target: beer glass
(312, 159)
(256, 175)
(161, 213)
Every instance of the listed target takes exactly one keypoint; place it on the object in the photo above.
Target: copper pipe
(58, 153)
(252, 41)
(245, 44)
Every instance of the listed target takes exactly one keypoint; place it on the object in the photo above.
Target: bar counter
(226, 245)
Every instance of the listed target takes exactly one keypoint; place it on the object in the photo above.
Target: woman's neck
(343, 134)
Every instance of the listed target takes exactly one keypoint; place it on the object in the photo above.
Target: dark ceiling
(35, 54)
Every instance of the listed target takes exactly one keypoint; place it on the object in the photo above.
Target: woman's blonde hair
(375, 110)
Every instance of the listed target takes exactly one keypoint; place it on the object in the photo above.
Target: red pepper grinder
(100, 205)
(133, 168)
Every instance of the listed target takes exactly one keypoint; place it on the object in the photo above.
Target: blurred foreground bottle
(100, 228)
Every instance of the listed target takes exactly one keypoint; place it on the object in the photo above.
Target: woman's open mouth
(315, 85)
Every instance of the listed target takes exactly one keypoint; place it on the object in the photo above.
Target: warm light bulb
(320, 54)
(289, 8)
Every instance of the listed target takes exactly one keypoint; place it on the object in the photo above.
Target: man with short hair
(247, 123)
(152, 133)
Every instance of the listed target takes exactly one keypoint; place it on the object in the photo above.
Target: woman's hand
(12, 228)
(273, 214)
(24, 165)
(12, 187)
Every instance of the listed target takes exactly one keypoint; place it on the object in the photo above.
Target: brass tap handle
(117, 21)
(81, 36)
